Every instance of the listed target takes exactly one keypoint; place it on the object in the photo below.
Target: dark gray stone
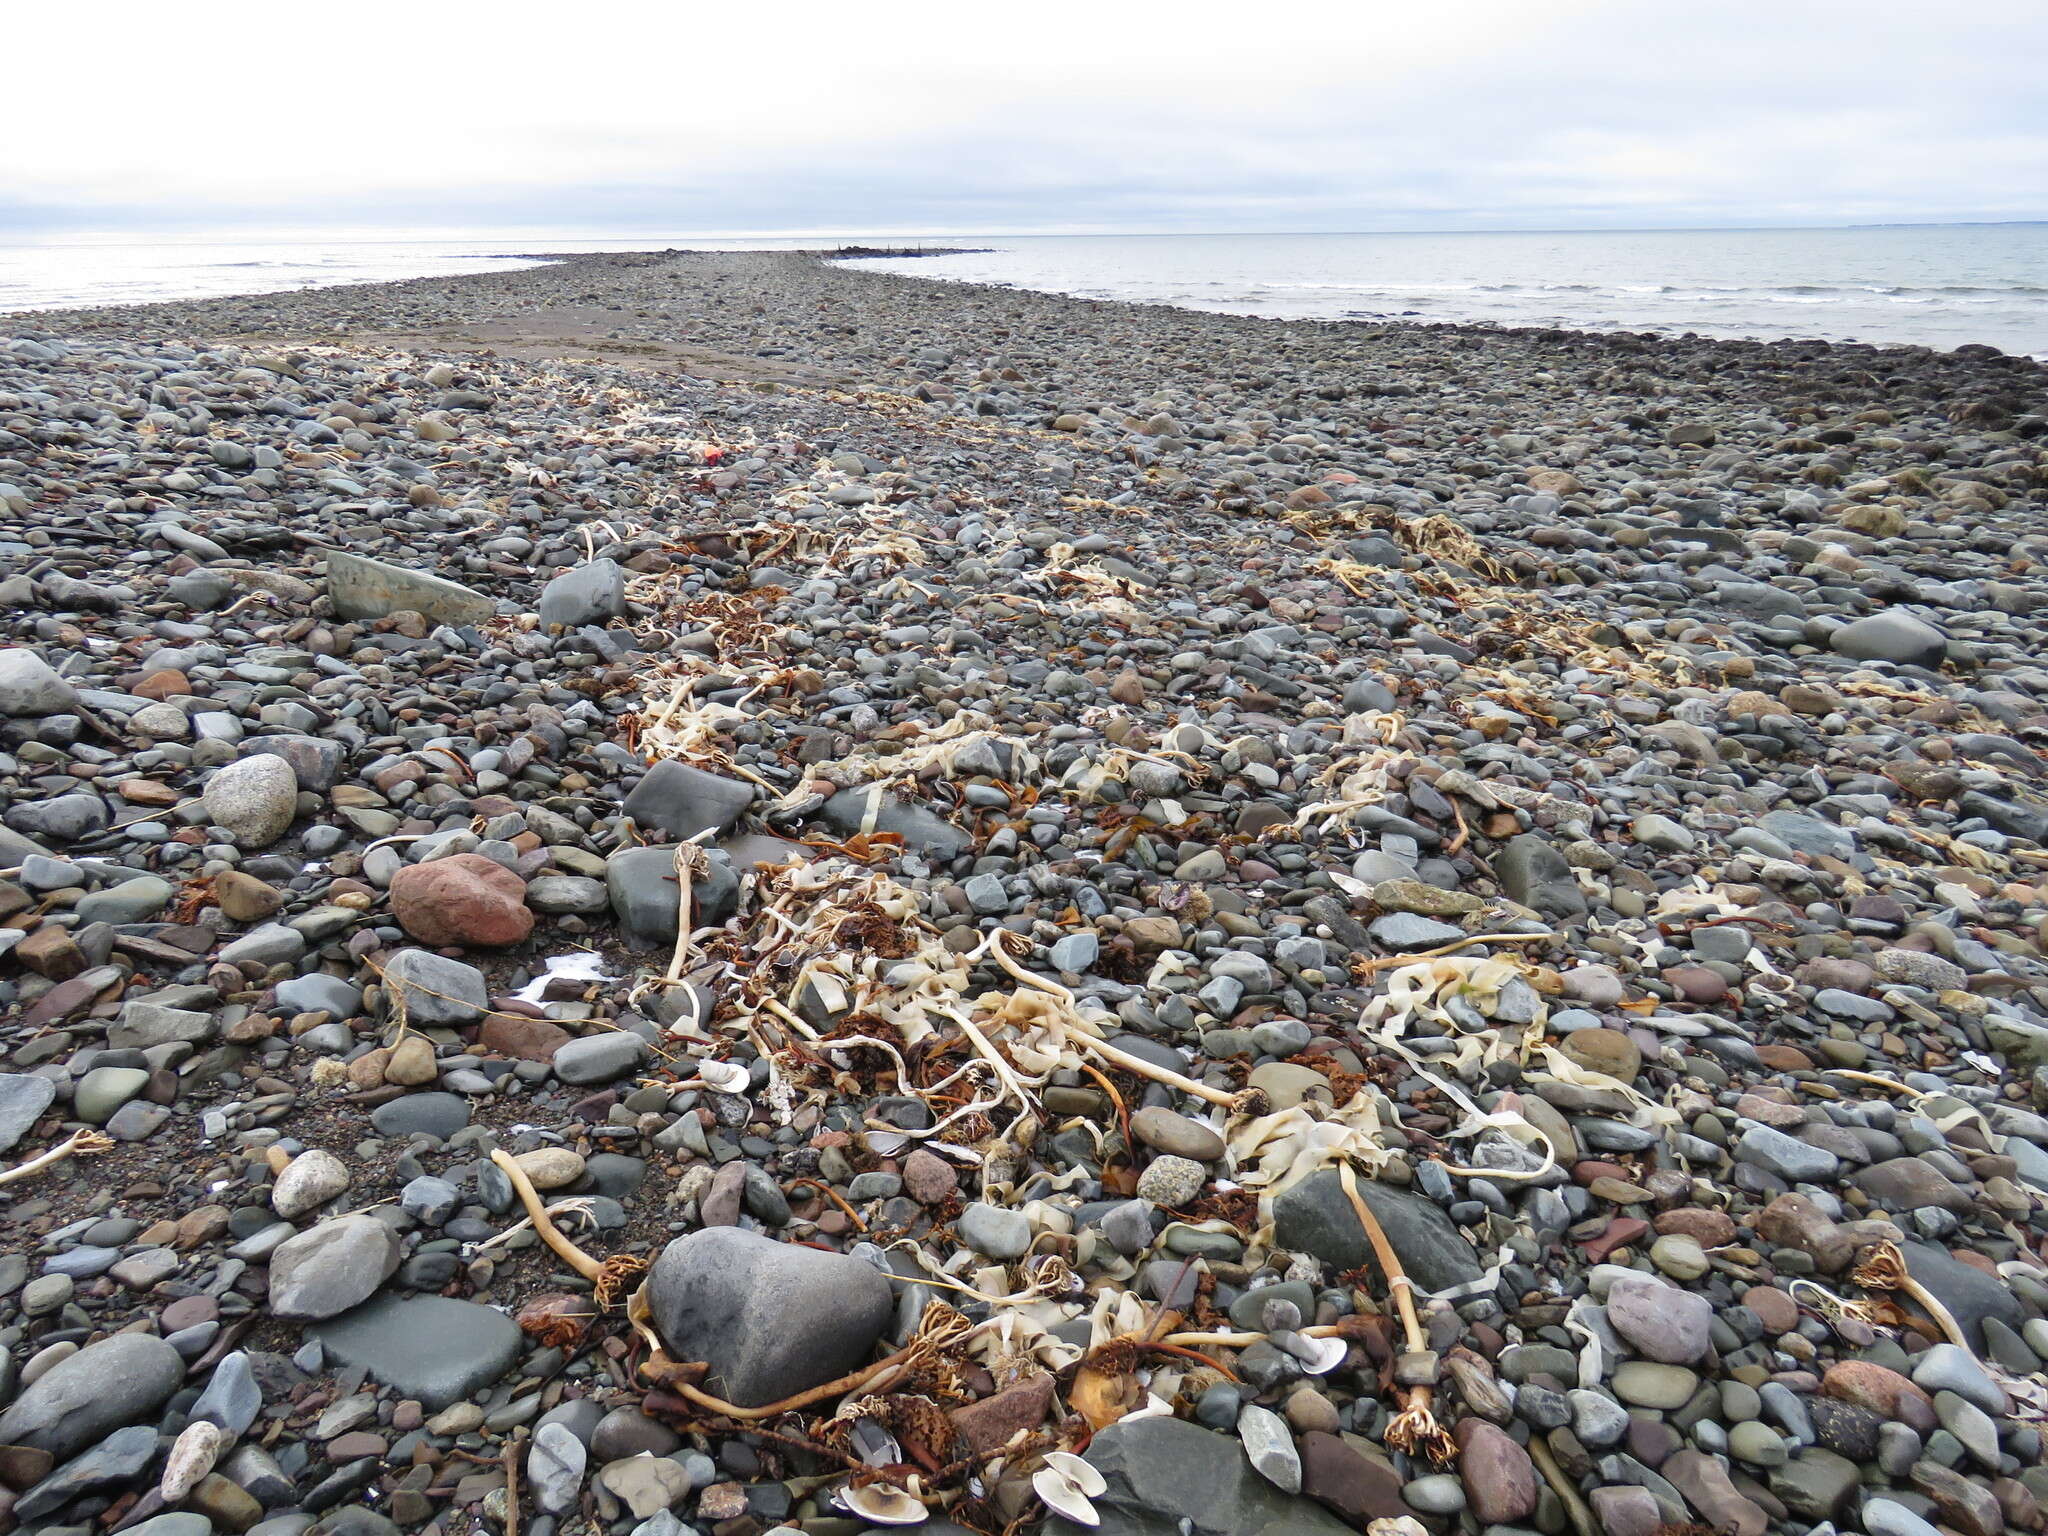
(1168, 1477)
(922, 831)
(432, 1348)
(590, 594)
(1315, 1217)
(683, 801)
(23, 1098)
(439, 1115)
(642, 886)
(1536, 875)
(102, 1387)
(770, 1319)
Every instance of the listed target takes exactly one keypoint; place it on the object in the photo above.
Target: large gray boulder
(327, 1269)
(1536, 875)
(434, 989)
(922, 831)
(770, 1319)
(432, 1348)
(370, 589)
(641, 883)
(29, 685)
(1891, 636)
(589, 594)
(1316, 1217)
(684, 801)
(102, 1387)
(1167, 1477)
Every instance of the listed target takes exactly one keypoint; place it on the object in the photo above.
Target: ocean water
(1933, 285)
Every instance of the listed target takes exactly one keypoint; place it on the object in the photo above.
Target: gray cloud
(917, 117)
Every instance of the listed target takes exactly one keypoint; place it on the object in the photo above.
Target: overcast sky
(962, 116)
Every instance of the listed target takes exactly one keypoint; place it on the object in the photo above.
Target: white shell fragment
(880, 1504)
(1066, 1483)
(723, 1076)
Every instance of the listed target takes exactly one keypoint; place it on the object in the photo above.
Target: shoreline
(1341, 727)
(833, 255)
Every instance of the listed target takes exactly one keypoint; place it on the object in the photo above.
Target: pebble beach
(702, 894)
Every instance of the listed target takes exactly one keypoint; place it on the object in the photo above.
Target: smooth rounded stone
(254, 799)
(320, 993)
(561, 894)
(601, 1058)
(30, 686)
(1407, 932)
(1167, 1475)
(1947, 1368)
(460, 901)
(1315, 1216)
(770, 1319)
(176, 1523)
(1602, 1050)
(1499, 1479)
(330, 1268)
(589, 594)
(439, 1115)
(1625, 1510)
(1178, 1135)
(647, 1485)
(84, 1396)
(684, 801)
(641, 886)
(551, 1167)
(429, 1200)
(1075, 952)
(555, 1461)
(1659, 1321)
(1680, 1257)
(435, 989)
(23, 1098)
(1649, 1384)
(1791, 1160)
(1886, 1517)
(232, 1398)
(1437, 1494)
(435, 1349)
(1598, 1420)
(629, 1432)
(994, 1230)
(132, 901)
(1891, 636)
(1171, 1181)
(1757, 1445)
(104, 1090)
(308, 1182)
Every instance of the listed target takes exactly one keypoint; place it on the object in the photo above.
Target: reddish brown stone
(928, 1177)
(1620, 1232)
(988, 1425)
(462, 900)
(1708, 1228)
(1500, 1480)
(50, 951)
(1784, 1058)
(1347, 1482)
(522, 1039)
(1879, 1389)
(1778, 1312)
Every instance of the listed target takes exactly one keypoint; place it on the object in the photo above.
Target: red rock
(1778, 1312)
(1875, 1387)
(1500, 1480)
(1793, 1221)
(50, 951)
(1697, 984)
(1784, 1058)
(1710, 1229)
(928, 1177)
(988, 1425)
(1620, 1232)
(461, 900)
(164, 684)
(522, 1039)
(1347, 1482)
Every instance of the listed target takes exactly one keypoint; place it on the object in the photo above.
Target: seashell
(1066, 1483)
(723, 1076)
(1329, 1354)
(881, 1504)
